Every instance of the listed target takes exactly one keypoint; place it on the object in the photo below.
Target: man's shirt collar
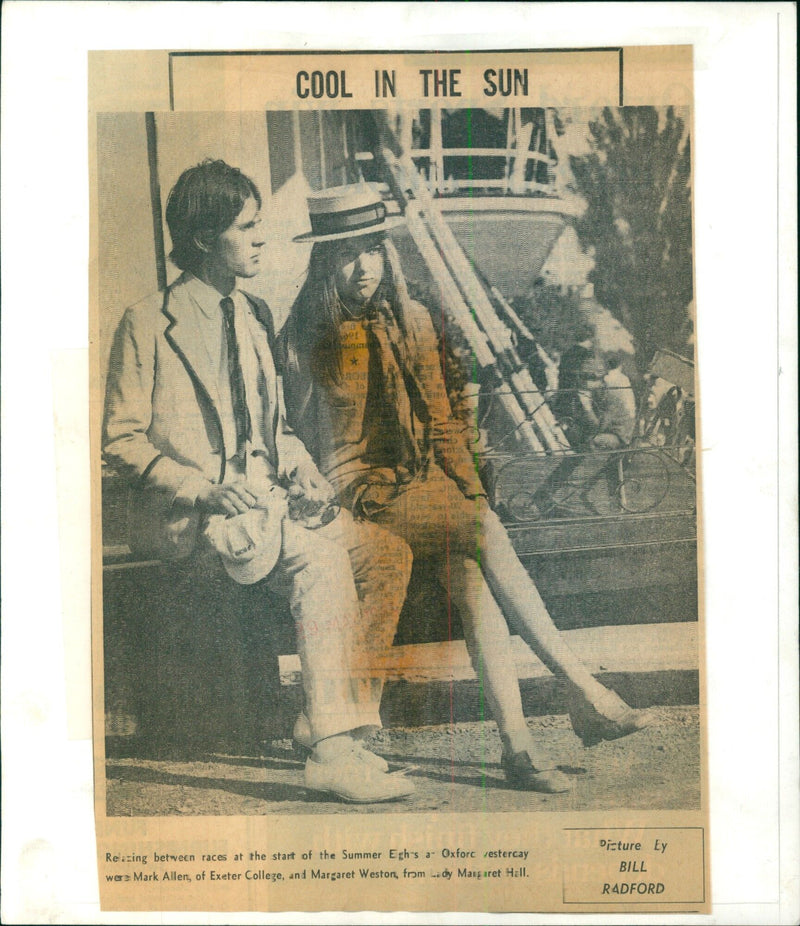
(206, 297)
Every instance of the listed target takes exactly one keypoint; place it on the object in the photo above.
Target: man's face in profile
(237, 250)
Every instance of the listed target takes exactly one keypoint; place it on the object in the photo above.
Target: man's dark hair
(613, 361)
(584, 332)
(204, 203)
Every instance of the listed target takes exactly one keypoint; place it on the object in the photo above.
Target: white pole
(498, 334)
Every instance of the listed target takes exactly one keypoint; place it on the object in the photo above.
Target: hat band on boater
(332, 223)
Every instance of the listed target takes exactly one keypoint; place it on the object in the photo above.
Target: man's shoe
(608, 719)
(354, 779)
(522, 774)
(301, 739)
(371, 758)
(301, 734)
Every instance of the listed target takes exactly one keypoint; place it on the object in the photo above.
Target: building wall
(287, 155)
(125, 243)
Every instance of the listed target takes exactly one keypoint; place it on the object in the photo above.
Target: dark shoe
(522, 774)
(609, 719)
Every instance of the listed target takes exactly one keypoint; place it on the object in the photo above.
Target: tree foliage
(637, 184)
(552, 314)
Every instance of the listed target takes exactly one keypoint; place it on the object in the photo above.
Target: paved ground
(456, 768)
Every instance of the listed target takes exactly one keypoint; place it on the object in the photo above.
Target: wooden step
(630, 649)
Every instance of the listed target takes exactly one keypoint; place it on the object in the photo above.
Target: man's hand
(229, 499)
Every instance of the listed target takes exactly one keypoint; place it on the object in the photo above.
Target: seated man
(193, 418)
(618, 418)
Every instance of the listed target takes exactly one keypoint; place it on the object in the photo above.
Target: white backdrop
(744, 207)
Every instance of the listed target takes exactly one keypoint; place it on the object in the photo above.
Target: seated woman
(365, 393)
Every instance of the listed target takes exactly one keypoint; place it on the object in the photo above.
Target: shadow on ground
(454, 767)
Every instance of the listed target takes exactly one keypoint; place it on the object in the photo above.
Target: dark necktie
(240, 413)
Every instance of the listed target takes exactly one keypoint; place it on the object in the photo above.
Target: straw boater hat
(346, 212)
(248, 544)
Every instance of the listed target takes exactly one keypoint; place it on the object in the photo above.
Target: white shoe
(371, 758)
(301, 734)
(354, 779)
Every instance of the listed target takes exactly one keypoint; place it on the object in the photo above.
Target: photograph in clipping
(396, 554)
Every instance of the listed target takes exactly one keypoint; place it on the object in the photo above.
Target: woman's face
(359, 268)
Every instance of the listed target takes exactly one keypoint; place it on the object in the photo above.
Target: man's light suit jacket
(162, 427)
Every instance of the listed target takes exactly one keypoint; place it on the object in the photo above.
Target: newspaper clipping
(395, 550)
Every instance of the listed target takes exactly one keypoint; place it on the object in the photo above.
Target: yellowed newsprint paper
(395, 482)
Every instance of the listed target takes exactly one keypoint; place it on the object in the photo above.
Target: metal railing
(594, 484)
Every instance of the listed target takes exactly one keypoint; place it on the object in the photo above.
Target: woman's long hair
(318, 310)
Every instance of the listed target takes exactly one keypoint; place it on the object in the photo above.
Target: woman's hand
(481, 502)
(308, 482)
